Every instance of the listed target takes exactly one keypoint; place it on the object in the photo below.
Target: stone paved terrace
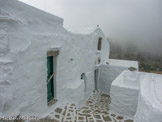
(96, 109)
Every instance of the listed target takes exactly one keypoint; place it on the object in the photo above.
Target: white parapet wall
(124, 93)
(123, 63)
(137, 95)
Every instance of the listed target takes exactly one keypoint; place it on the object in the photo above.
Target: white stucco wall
(109, 72)
(26, 34)
(124, 93)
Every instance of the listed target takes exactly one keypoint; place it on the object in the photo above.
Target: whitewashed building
(42, 65)
(35, 49)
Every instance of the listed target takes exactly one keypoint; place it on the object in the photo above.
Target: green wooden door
(50, 85)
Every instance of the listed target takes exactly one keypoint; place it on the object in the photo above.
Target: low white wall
(124, 63)
(124, 101)
(139, 96)
(124, 93)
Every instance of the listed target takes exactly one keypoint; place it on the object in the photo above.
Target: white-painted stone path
(96, 109)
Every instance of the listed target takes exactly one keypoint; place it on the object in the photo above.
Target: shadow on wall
(107, 75)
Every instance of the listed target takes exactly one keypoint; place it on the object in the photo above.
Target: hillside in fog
(149, 60)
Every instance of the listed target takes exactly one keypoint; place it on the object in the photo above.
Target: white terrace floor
(96, 109)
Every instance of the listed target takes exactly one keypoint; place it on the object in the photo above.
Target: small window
(99, 43)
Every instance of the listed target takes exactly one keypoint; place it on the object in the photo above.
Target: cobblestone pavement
(96, 109)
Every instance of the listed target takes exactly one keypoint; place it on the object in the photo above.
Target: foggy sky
(123, 21)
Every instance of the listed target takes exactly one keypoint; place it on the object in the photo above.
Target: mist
(124, 22)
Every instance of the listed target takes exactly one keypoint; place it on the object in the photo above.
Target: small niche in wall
(83, 77)
(99, 43)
